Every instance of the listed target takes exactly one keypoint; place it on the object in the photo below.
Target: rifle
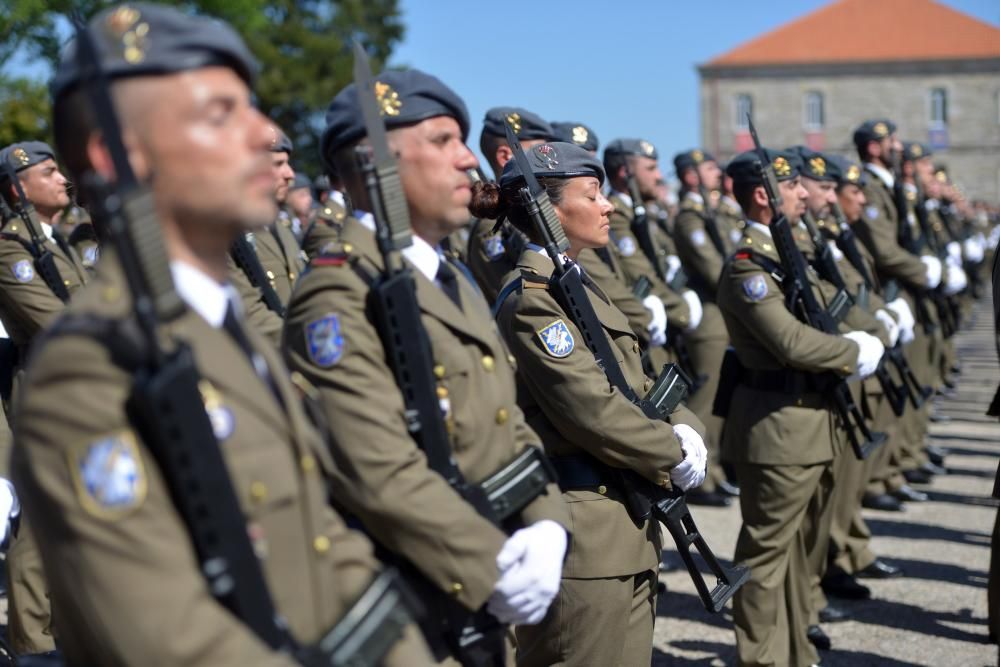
(711, 226)
(826, 267)
(848, 244)
(947, 307)
(246, 259)
(475, 638)
(804, 304)
(642, 497)
(166, 407)
(44, 260)
(909, 243)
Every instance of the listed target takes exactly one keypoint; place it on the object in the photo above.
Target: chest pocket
(266, 481)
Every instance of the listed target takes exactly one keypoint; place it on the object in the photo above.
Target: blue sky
(624, 67)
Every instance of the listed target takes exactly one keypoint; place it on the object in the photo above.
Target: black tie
(233, 327)
(448, 281)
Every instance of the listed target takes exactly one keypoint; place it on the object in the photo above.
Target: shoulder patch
(91, 255)
(24, 271)
(698, 237)
(755, 287)
(626, 246)
(324, 341)
(871, 212)
(494, 247)
(557, 339)
(109, 476)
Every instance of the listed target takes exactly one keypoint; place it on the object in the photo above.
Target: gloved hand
(954, 249)
(974, 248)
(658, 327)
(690, 472)
(673, 265)
(835, 250)
(694, 304)
(955, 280)
(10, 511)
(905, 316)
(890, 325)
(530, 564)
(932, 267)
(870, 351)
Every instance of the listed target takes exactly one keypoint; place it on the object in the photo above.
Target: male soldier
(576, 133)
(781, 432)
(489, 258)
(267, 262)
(703, 330)
(728, 214)
(301, 206)
(29, 304)
(333, 338)
(123, 571)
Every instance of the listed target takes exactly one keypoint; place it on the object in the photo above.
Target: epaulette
(527, 279)
(331, 214)
(333, 254)
(533, 280)
(766, 263)
(28, 245)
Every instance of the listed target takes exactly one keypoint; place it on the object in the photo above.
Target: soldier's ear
(760, 197)
(100, 157)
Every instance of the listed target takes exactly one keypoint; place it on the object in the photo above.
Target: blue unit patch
(626, 246)
(871, 212)
(494, 247)
(24, 271)
(109, 475)
(755, 287)
(557, 339)
(90, 255)
(325, 341)
(223, 422)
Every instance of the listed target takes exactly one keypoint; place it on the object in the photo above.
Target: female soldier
(604, 612)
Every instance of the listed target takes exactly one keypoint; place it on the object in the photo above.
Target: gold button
(291, 275)
(327, 211)
(308, 463)
(602, 489)
(511, 359)
(647, 384)
(457, 588)
(749, 241)
(13, 228)
(270, 275)
(488, 364)
(321, 544)
(348, 247)
(635, 346)
(502, 416)
(442, 392)
(258, 491)
(66, 283)
(439, 371)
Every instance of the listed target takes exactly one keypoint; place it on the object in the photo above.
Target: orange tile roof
(848, 31)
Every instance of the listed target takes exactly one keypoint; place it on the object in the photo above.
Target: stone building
(931, 69)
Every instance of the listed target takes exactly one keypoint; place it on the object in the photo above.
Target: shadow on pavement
(961, 499)
(922, 531)
(918, 620)
(947, 572)
(724, 652)
(969, 472)
(833, 657)
(688, 606)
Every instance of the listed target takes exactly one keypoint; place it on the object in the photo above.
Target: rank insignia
(871, 212)
(580, 135)
(626, 246)
(388, 100)
(109, 476)
(23, 271)
(647, 148)
(781, 166)
(698, 237)
(853, 174)
(121, 24)
(21, 156)
(755, 287)
(818, 166)
(557, 339)
(494, 247)
(324, 341)
(514, 120)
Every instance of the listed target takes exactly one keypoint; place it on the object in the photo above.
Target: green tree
(24, 110)
(304, 48)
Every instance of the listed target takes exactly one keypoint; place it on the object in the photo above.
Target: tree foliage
(304, 48)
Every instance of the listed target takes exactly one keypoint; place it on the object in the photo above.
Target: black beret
(873, 130)
(525, 124)
(914, 150)
(848, 172)
(575, 133)
(25, 154)
(744, 167)
(691, 158)
(145, 39)
(639, 147)
(404, 98)
(280, 143)
(814, 165)
(556, 159)
(300, 181)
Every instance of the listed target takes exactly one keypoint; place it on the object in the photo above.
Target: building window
(939, 107)
(744, 109)
(815, 115)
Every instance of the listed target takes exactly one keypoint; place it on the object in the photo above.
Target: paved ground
(936, 615)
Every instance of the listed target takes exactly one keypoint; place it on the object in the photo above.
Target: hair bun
(487, 201)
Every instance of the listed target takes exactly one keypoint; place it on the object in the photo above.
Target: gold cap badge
(21, 156)
(916, 150)
(388, 100)
(580, 135)
(781, 166)
(818, 166)
(697, 156)
(881, 130)
(514, 120)
(646, 148)
(123, 25)
(853, 174)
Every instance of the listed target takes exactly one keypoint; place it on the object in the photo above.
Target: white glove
(658, 327)
(954, 249)
(974, 248)
(870, 351)
(905, 316)
(694, 303)
(933, 270)
(10, 509)
(891, 327)
(530, 564)
(690, 472)
(835, 250)
(955, 281)
(673, 265)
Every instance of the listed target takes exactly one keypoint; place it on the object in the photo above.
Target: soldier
(301, 205)
(780, 430)
(332, 337)
(30, 299)
(606, 606)
(123, 570)
(576, 133)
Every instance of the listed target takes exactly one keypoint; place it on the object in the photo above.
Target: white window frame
(938, 117)
(813, 104)
(740, 113)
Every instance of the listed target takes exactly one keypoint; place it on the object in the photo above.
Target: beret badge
(818, 166)
(646, 148)
(388, 100)
(548, 155)
(781, 166)
(880, 130)
(697, 156)
(121, 24)
(580, 135)
(21, 156)
(941, 176)
(916, 150)
(853, 174)
(514, 120)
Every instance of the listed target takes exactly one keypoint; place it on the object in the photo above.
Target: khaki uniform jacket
(571, 405)
(487, 258)
(409, 508)
(121, 567)
(612, 282)
(695, 248)
(776, 428)
(27, 305)
(878, 230)
(729, 218)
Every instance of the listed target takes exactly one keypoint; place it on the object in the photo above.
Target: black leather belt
(581, 472)
(784, 381)
(511, 488)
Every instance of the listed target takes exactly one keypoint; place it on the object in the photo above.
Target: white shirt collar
(203, 294)
(47, 230)
(763, 229)
(544, 253)
(366, 219)
(424, 257)
(694, 196)
(338, 196)
(884, 174)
